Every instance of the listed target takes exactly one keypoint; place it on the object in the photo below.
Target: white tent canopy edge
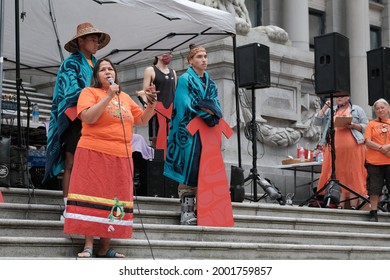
(139, 29)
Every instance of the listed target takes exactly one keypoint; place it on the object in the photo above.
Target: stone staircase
(30, 227)
(27, 91)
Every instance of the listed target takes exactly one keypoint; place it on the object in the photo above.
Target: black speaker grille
(253, 66)
(378, 74)
(332, 73)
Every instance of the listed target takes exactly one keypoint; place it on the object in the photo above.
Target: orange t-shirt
(378, 132)
(106, 135)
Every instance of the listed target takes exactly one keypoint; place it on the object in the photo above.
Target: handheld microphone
(111, 82)
(142, 94)
(142, 101)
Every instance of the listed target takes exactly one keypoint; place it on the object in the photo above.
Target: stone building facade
(285, 110)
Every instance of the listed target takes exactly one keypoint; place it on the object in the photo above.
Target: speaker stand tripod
(333, 185)
(253, 175)
(270, 190)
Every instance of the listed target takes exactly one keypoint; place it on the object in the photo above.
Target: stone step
(39, 196)
(30, 228)
(53, 213)
(9, 88)
(43, 100)
(41, 247)
(37, 228)
(11, 84)
(35, 196)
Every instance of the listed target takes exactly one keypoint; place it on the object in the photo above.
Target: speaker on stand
(253, 66)
(332, 79)
(378, 74)
(331, 62)
(254, 73)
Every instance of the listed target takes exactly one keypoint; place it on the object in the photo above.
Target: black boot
(373, 216)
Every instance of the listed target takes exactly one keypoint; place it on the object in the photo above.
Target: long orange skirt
(100, 199)
(349, 164)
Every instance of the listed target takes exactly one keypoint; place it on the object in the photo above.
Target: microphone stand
(333, 186)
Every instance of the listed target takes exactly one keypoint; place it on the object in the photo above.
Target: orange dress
(349, 163)
(100, 199)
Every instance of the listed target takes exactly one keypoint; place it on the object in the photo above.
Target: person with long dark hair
(100, 199)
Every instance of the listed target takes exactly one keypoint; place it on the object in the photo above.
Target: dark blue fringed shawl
(183, 151)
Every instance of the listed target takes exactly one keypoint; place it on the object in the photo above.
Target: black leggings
(378, 175)
(72, 136)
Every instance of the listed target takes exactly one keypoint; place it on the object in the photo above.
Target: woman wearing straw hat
(74, 74)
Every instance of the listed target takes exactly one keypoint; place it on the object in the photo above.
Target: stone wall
(283, 111)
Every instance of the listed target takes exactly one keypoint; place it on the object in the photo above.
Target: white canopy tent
(139, 29)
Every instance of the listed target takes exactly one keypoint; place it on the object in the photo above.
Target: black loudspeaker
(378, 73)
(171, 187)
(332, 73)
(139, 165)
(5, 162)
(253, 66)
(152, 179)
(149, 179)
(237, 180)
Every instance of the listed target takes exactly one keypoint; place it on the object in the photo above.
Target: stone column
(358, 32)
(296, 22)
(272, 12)
(386, 23)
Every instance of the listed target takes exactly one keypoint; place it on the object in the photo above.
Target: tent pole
(18, 79)
(1, 54)
(237, 99)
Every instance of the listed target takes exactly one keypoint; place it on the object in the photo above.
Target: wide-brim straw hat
(86, 29)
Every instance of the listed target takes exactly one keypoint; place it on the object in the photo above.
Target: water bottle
(320, 157)
(35, 113)
(302, 154)
(315, 154)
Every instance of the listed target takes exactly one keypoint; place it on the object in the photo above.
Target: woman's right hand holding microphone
(324, 108)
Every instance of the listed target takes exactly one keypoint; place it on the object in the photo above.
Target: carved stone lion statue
(275, 33)
(236, 7)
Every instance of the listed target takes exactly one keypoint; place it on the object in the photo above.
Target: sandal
(88, 251)
(111, 253)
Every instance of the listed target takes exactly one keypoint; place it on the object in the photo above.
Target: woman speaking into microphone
(100, 199)
(349, 148)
